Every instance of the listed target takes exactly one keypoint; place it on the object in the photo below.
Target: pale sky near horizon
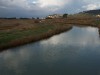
(39, 8)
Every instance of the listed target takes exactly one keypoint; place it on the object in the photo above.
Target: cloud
(31, 5)
(73, 39)
(91, 6)
(44, 7)
(53, 3)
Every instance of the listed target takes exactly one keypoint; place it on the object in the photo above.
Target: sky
(41, 8)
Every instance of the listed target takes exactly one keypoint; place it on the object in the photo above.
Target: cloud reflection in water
(67, 47)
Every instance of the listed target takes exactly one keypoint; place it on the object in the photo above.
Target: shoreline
(20, 32)
(57, 29)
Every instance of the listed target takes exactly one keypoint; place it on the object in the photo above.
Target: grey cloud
(30, 8)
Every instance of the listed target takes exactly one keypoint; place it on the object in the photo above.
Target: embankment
(16, 36)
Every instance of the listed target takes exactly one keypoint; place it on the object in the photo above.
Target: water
(76, 52)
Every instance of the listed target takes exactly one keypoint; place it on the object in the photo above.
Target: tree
(65, 15)
(37, 17)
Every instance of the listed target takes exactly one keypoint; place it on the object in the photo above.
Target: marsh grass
(22, 34)
(18, 32)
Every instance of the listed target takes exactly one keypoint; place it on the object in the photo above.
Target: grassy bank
(82, 19)
(18, 32)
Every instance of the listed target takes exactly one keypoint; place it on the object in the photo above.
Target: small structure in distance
(54, 16)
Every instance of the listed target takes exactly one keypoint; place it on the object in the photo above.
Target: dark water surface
(76, 52)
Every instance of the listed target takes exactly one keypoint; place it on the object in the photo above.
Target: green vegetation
(97, 22)
(15, 32)
(15, 35)
(8, 36)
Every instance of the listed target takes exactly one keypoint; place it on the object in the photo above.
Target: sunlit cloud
(53, 3)
(72, 39)
(91, 6)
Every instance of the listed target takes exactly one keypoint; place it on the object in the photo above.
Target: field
(17, 32)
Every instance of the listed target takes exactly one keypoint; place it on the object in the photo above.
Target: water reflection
(77, 36)
(71, 53)
(99, 32)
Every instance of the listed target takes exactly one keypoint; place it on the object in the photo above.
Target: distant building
(55, 16)
(98, 16)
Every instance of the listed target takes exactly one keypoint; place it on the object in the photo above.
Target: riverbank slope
(17, 32)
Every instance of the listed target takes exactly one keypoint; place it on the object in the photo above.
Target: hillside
(93, 12)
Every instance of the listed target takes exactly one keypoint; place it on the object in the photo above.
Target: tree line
(64, 16)
(15, 18)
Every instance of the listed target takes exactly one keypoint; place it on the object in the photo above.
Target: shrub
(65, 15)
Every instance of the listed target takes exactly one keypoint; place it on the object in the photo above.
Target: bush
(65, 15)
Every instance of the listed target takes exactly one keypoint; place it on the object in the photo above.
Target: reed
(18, 32)
(19, 35)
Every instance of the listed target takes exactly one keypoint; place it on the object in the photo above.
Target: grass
(17, 32)
(97, 22)
(82, 19)
(27, 31)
